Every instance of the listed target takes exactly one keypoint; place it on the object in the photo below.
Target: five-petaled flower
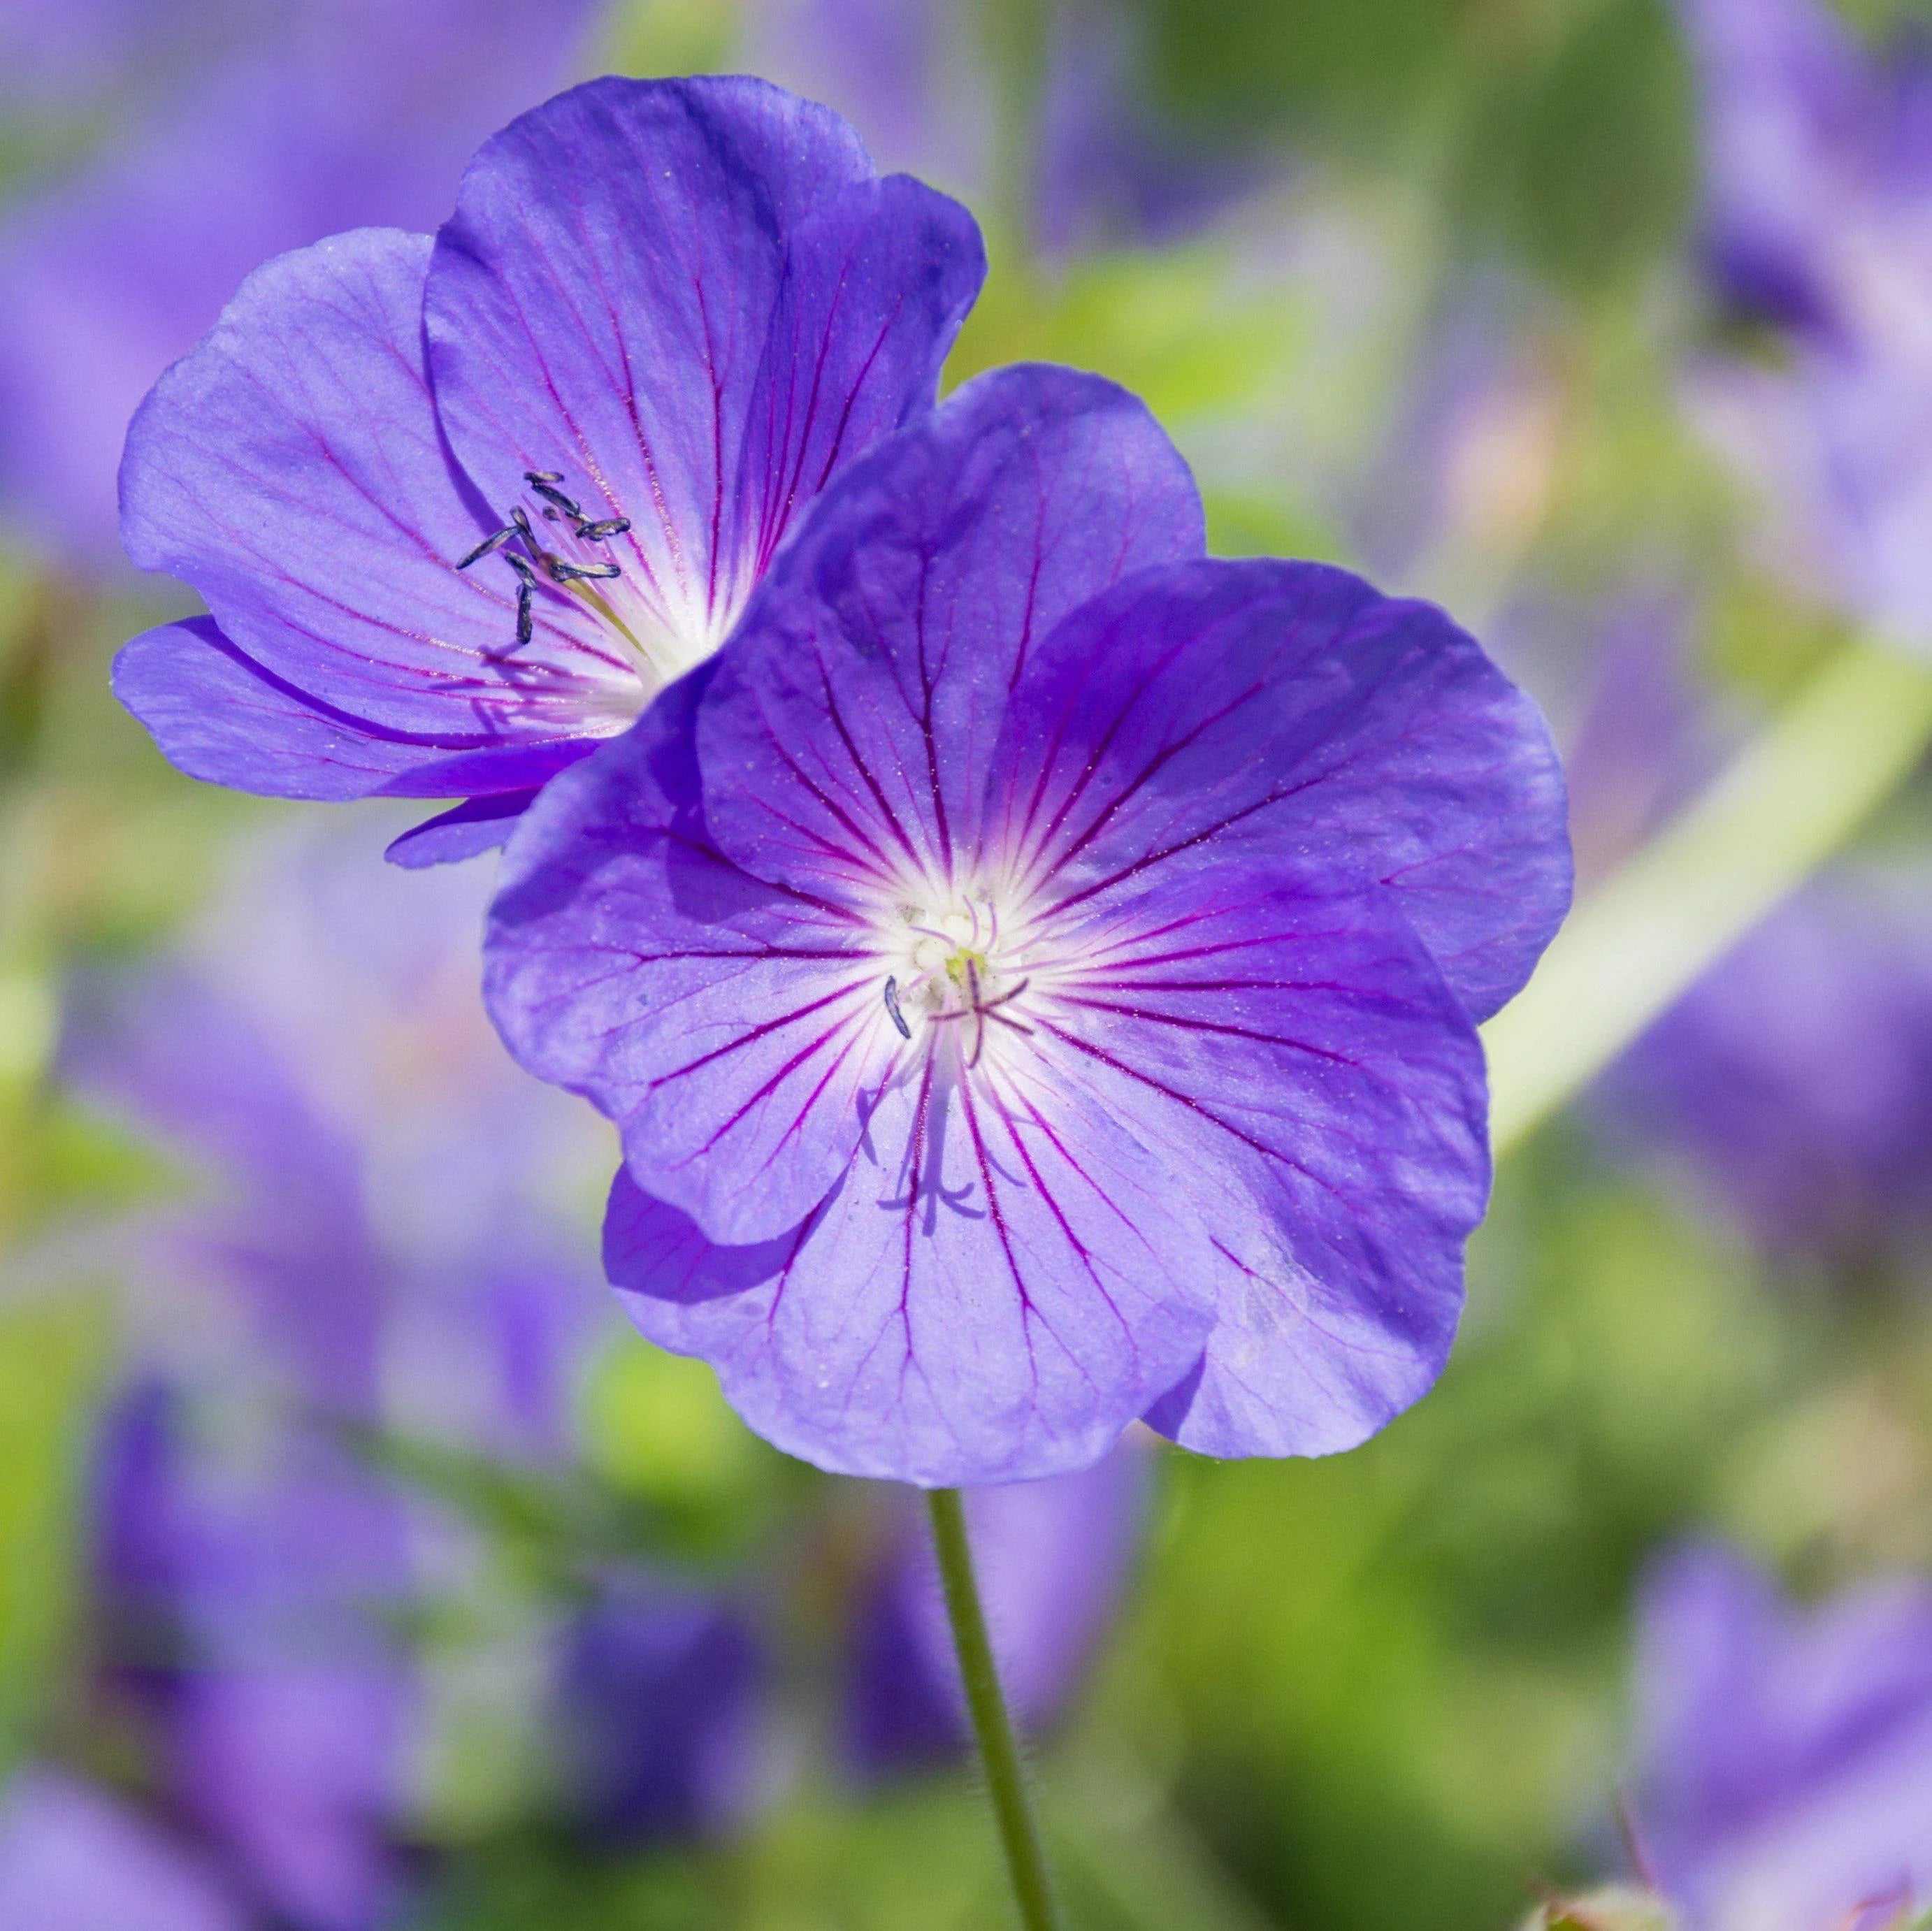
(460, 508)
(1034, 967)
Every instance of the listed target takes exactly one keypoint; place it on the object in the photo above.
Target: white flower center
(954, 968)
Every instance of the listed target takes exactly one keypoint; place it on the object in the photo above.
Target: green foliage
(53, 1351)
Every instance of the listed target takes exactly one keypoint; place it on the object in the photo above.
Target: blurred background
(358, 1570)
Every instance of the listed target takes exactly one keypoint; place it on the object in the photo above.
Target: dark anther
(525, 575)
(549, 515)
(893, 1007)
(597, 532)
(562, 572)
(525, 623)
(543, 475)
(489, 543)
(522, 523)
(556, 496)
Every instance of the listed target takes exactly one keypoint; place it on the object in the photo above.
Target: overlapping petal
(292, 469)
(730, 1027)
(875, 669)
(1247, 711)
(692, 298)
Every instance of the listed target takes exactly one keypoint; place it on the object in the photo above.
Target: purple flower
(242, 128)
(369, 1245)
(458, 509)
(1819, 165)
(74, 1858)
(1053, 1558)
(1797, 1074)
(1013, 861)
(661, 1698)
(915, 76)
(1786, 1754)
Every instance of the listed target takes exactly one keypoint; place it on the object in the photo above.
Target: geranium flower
(1033, 967)
(459, 508)
(1785, 1774)
(1818, 182)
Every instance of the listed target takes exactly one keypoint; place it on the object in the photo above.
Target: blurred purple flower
(661, 1700)
(1053, 1558)
(914, 76)
(1797, 1074)
(275, 125)
(1819, 216)
(74, 1858)
(1785, 1779)
(450, 533)
(994, 875)
(323, 1056)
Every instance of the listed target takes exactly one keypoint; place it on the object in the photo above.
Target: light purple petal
(218, 715)
(1294, 1052)
(990, 1295)
(943, 561)
(291, 469)
(1243, 711)
(692, 299)
(73, 1858)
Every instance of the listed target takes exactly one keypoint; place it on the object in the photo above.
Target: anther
(489, 543)
(562, 572)
(543, 475)
(526, 622)
(525, 574)
(521, 519)
(599, 532)
(893, 1007)
(556, 496)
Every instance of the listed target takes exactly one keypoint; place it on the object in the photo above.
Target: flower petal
(218, 715)
(729, 1027)
(992, 1293)
(71, 1855)
(1294, 1052)
(868, 683)
(691, 298)
(467, 830)
(1268, 713)
(291, 469)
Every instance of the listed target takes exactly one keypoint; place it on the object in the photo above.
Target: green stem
(999, 1748)
(1628, 952)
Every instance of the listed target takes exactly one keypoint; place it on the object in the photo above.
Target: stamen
(520, 517)
(526, 622)
(556, 496)
(525, 574)
(543, 475)
(893, 1007)
(562, 572)
(489, 543)
(599, 532)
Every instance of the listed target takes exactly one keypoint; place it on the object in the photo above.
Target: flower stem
(1784, 806)
(999, 1748)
